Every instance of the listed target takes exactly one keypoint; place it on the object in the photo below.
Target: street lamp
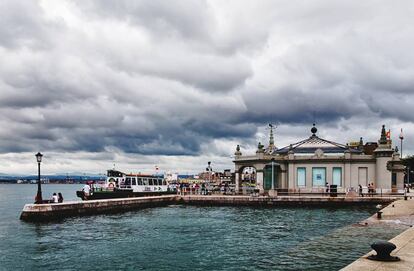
(273, 174)
(38, 198)
(401, 136)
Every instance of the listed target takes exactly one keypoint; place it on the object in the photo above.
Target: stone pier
(401, 211)
(54, 211)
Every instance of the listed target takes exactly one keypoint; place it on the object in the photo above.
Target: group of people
(57, 198)
(192, 188)
(371, 190)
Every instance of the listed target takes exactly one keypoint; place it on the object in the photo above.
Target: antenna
(314, 117)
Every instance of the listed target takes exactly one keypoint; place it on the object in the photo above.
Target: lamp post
(273, 174)
(401, 136)
(38, 199)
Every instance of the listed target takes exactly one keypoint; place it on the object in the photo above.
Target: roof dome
(314, 129)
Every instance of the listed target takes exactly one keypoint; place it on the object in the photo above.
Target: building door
(363, 176)
(268, 177)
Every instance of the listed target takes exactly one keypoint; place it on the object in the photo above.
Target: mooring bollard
(383, 249)
(379, 214)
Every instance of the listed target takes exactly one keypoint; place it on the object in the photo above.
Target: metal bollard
(379, 214)
(383, 249)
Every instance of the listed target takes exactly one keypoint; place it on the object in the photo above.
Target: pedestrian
(86, 191)
(327, 187)
(360, 190)
(60, 197)
(55, 198)
(203, 189)
(372, 189)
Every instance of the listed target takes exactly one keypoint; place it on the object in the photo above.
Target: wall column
(291, 175)
(259, 181)
(237, 179)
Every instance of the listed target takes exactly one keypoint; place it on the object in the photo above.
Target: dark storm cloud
(186, 78)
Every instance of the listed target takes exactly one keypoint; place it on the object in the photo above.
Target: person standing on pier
(86, 191)
(60, 197)
(360, 190)
(55, 198)
(327, 187)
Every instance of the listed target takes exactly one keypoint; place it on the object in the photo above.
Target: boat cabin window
(139, 181)
(114, 173)
(134, 181)
(151, 182)
(164, 182)
(145, 181)
(128, 181)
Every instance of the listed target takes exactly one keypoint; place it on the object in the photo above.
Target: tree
(409, 163)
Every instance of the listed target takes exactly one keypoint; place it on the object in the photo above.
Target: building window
(318, 176)
(337, 176)
(301, 176)
(394, 179)
(363, 176)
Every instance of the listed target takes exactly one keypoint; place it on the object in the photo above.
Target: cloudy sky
(179, 83)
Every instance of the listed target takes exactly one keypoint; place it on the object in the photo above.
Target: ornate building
(309, 164)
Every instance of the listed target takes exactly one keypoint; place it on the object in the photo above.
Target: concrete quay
(402, 212)
(300, 201)
(55, 211)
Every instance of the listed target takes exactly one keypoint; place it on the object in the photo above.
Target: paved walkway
(401, 211)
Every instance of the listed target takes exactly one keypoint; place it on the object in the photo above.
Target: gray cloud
(192, 79)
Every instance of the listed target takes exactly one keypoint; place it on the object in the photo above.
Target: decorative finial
(260, 147)
(238, 152)
(383, 138)
(361, 144)
(314, 130)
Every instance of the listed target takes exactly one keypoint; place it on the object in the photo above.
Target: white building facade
(307, 166)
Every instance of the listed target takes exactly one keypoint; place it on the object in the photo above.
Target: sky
(135, 84)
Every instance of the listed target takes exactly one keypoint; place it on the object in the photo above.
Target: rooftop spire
(383, 138)
(271, 139)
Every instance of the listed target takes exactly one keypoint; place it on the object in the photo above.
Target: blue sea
(181, 237)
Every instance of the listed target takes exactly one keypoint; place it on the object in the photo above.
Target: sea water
(181, 237)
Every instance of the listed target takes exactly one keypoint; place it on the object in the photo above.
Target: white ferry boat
(122, 185)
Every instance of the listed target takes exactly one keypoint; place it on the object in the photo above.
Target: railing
(205, 191)
(320, 191)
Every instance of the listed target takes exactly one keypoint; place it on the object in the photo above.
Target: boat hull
(119, 194)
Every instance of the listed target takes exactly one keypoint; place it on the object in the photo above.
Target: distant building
(309, 164)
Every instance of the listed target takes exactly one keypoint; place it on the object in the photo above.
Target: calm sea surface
(183, 237)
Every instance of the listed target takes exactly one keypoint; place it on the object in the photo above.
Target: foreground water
(184, 237)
